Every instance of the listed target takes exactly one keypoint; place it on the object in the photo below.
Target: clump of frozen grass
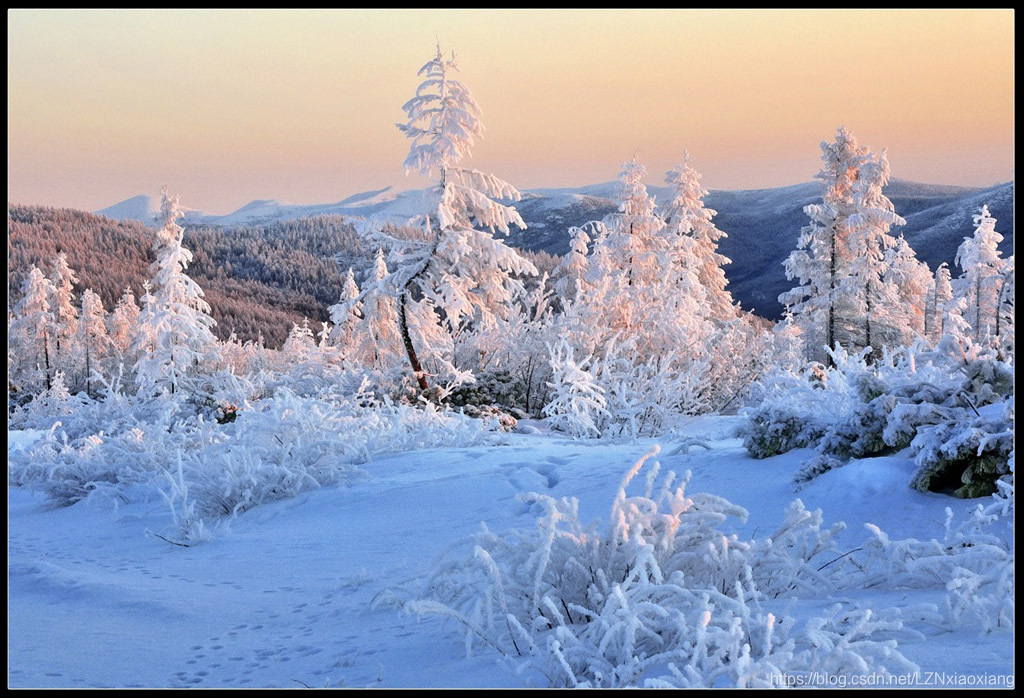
(659, 596)
(973, 562)
(207, 471)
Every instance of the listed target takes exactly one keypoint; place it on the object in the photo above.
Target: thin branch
(838, 559)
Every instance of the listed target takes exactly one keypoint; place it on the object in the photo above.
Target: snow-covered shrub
(919, 397)
(208, 469)
(659, 597)
(967, 456)
(794, 411)
(577, 405)
(973, 563)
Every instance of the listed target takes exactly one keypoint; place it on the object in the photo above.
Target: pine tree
(823, 251)
(694, 239)
(379, 344)
(573, 267)
(30, 332)
(463, 273)
(177, 319)
(300, 344)
(980, 281)
(123, 322)
(840, 257)
(345, 315)
(870, 241)
(65, 315)
(93, 341)
(912, 281)
(939, 294)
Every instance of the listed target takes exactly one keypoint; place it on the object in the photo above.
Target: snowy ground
(286, 597)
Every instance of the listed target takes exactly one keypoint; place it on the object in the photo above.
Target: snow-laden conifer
(65, 315)
(122, 322)
(840, 255)
(453, 268)
(697, 263)
(980, 279)
(93, 341)
(177, 321)
(31, 335)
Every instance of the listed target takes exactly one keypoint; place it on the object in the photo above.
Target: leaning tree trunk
(403, 320)
(410, 350)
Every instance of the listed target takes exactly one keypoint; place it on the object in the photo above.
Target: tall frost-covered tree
(940, 291)
(122, 322)
(463, 274)
(346, 314)
(823, 253)
(93, 341)
(839, 262)
(870, 242)
(694, 238)
(980, 281)
(378, 343)
(177, 321)
(571, 270)
(65, 314)
(30, 335)
(912, 281)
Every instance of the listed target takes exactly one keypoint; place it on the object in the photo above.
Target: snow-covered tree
(65, 314)
(980, 281)
(571, 270)
(462, 273)
(123, 322)
(93, 341)
(378, 342)
(870, 242)
(30, 333)
(345, 315)
(300, 343)
(940, 291)
(840, 257)
(694, 238)
(913, 282)
(177, 321)
(634, 239)
(644, 315)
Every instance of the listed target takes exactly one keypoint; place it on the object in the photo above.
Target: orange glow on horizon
(229, 106)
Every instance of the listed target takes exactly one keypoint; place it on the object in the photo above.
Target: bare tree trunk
(977, 310)
(46, 358)
(830, 335)
(410, 350)
(867, 319)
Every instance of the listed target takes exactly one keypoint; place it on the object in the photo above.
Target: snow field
(307, 591)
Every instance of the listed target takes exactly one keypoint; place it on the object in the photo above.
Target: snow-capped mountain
(144, 208)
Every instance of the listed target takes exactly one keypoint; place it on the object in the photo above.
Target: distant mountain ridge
(762, 225)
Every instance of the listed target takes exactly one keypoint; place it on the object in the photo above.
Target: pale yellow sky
(229, 106)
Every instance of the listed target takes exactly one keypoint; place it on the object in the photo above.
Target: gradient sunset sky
(229, 106)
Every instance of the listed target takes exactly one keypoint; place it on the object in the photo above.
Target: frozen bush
(973, 563)
(274, 448)
(659, 597)
(967, 456)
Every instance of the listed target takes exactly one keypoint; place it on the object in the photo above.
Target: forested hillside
(258, 280)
